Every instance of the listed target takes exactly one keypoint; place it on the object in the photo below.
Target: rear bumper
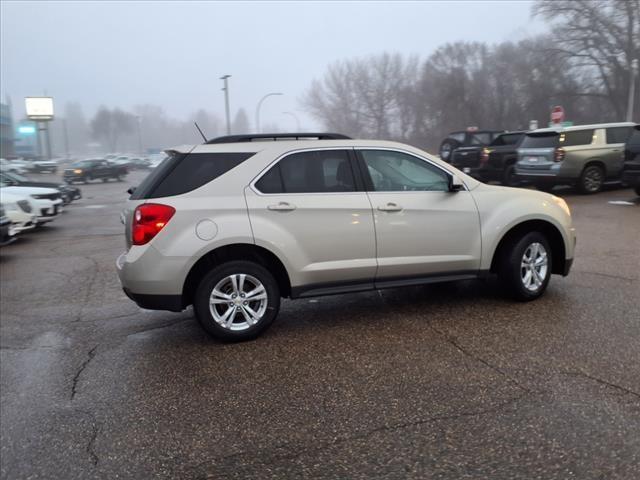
(173, 303)
(151, 280)
(568, 263)
(544, 177)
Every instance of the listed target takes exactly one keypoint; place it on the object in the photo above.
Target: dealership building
(7, 134)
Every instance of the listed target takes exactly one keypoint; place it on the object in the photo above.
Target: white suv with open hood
(233, 225)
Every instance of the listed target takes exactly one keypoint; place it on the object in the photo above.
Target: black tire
(545, 187)
(203, 293)
(511, 271)
(637, 190)
(509, 177)
(446, 149)
(591, 179)
(118, 178)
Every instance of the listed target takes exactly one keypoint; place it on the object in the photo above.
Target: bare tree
(109, 125)
(77, 128)
(240, 122)
(601, 38)
(365, 97)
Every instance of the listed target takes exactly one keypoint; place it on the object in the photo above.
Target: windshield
(540, 140)
(82, 163)
(15, 176)
(507, 139)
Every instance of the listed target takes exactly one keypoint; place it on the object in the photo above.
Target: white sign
(39, 108)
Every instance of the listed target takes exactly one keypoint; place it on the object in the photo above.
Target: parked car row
(27, 204)
(584, 156)
(22, 166)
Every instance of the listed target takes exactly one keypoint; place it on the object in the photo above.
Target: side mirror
(130, 190)
(455, 184)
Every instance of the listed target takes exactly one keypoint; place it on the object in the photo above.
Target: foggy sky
(171, 54)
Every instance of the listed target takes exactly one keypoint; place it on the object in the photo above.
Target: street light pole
(138, 121)
(66, 138)
(632, 89)
(225, 78)
(295, 118)
(260, 105)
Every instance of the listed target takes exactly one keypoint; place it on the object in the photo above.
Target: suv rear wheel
(592, 179)
(525, 267)
(447, 147)
(237, 301)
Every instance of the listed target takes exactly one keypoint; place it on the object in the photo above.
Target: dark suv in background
(631, 168)
(495, 162)
(466, 138)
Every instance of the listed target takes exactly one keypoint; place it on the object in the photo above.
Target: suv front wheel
(237, 301)
(525, 266)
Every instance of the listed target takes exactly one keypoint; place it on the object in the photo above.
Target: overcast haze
(171, 54)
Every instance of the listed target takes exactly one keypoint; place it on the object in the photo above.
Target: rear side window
(182, 173)
(480, 139)
(618, 134)
(544, 140)
(576, 137)
(507, 139)
(310, 172)
(634, 139)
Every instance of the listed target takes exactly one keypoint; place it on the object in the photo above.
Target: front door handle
(282, 207)
(390, 207)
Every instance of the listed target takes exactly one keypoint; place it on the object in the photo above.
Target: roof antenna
(203, 137)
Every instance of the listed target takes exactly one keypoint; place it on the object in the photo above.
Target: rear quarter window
(634, 139)
(576, 137)
(618, 134)
(182, 173)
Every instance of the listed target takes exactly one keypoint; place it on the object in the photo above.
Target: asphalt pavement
(441, 381)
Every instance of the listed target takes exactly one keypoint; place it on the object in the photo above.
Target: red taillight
(559, 155)
(148, 220)
(484, 156)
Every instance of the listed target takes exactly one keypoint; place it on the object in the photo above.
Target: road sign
(557, 114)
(39, 108)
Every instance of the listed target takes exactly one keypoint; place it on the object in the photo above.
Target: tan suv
(585, 156)
(233, 225)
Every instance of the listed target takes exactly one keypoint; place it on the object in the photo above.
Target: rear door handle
(282, 207)
(390, 207)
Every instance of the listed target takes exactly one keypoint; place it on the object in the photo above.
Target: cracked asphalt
(443, 381)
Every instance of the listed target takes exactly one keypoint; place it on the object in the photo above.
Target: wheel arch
(548, 229)
(597, 161)
(237, 251)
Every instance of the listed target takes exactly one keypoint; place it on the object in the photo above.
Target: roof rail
(277, 136)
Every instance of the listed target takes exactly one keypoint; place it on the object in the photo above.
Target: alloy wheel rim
(238, 302)
(593, 179)
(534, 266)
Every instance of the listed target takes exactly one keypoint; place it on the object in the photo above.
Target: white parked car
(235, 224)
(20, 210)
(47, 202)
(15, 167)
